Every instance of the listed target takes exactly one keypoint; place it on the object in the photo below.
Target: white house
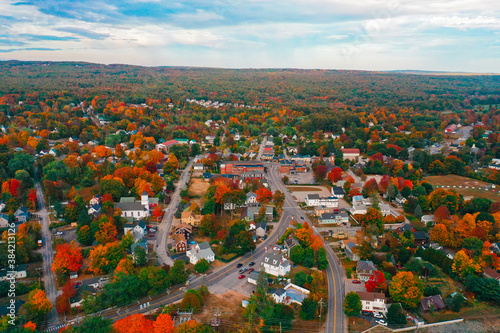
(358, 208)
(137, 229)
(198, 166)
(18, 273)
(200, 251)
(372, 302)
(131, 207)
(385, 209)
(4, 220)
(276, 264)
(315, 200)
(251, 199)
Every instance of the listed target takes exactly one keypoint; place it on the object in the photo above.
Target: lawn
(304, 189)
(452, 180)
(478, 311)
(358, 324)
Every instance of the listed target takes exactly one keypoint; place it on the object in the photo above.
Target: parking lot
(301, 193)
(232, 281)
(69, 234)
(300, 178)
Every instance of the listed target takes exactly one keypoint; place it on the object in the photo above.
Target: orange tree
(407, 289)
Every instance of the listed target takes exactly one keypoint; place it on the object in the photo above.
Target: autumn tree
(264, 195)
(439, 234)
(135, 323)
(335, 174)
(376, 282)
(463, 265)
(279, 200)
(407, 289)
(68, 258)
(352, 304)
(163, 324)
(37, 306)
(104, 258)
(171, 165)
(107, 232)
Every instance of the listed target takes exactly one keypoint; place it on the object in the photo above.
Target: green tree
(308, 309)
(352, 304)
(418, 212)
(322, 261)
(95, 325)
(302, 278)
(21, 161)
(396, 315)
(456, 302)
(202, 266)
(262, 284)
(140, 256)
(297, 255)
(114, 187)
(177, 274)
(308, 257)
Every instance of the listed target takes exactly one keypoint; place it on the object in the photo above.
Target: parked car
(250, 270)
(243, 270)
(366, 313)
(241, 276)
(356, 281)
(59, 233)
(251, 264)
(378, 315)
(239, 265)
(301, 217)
(381, 322)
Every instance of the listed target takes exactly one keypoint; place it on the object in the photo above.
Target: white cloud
(199, 15)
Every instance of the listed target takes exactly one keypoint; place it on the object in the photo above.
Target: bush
(202, 266)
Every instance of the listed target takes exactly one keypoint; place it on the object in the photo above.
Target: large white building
(276, 264)
(372, 302)
(200, 251)
(131, 207)
(315, 200)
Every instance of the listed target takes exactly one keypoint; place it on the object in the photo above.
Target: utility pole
(320, 303)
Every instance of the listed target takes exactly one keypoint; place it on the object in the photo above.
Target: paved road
(261, 147)
(49, 278)
(335, 318)
(166, 222)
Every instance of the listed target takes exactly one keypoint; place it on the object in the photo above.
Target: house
(450, 129)
(90, 287)
(180, 243)
(94, 209)
(365, 269)
(385, 209)
(432, 303)
(315, 200)
(428, 219)
(143, 243)
(184, 229)
(276, 264)
(210, 139)
(200, 251)
(96, 200)
(492, 274)
(190, 218)
(372, 302)
(421, 238)
(448, 253)
(278, 295)
(358, 208)
(406, 227)
(351, 251)
(4, 220)
(351, 154)
(137, 229)
(341, 217)
(327, 218)
(251, 213)
(19, 272)
(260, 229)
(289, 244)
(318, 210)
(21, 214)
(251, 199)
(131, 207)
(198, 166)
(399, 200)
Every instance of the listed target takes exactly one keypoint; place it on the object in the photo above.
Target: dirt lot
(300, 192)
(476, 188)
(230, 307)
(198, 187)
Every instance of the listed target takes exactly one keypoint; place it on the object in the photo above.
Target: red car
(356, 281)
(241, 276)
(250, 270)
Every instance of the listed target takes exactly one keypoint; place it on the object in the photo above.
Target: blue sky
(446, 35)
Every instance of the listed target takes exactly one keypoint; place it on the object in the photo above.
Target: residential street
(49, 278)
(166, 222)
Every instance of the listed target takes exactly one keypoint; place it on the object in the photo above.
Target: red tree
(335, 174)
(264, 195)
(69, 258)
(442, 213)
(376, 282)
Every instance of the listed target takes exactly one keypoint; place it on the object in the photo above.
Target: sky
(436, 35)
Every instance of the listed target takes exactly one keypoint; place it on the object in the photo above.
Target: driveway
(349, 286)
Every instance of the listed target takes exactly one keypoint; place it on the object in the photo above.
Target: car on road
(356, 281)
(241, 276)
(381, 322)
(378, 315)
(239, 265)
(59, 233)
(301, 217)
(250, 270)
(152, 230)
(251, 264)
(243, 270)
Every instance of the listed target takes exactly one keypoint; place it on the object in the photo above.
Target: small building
(365, 269)
(492, 274)
(421, 238)
(358, 208)
(289, 244)
(252, 277)
(21, 214)
(351, 154)
(406, 227)
(180, 243)
(276, 264)
(4, 220)
(351, 251)
(373, 302)
(251, 199)
(385, 209)
(432, 303)
(399, 200)
(200, 251)
(428, 219)
(261, 229)
(315, 200)
(19, 272)
(198, 166)
(327, 218)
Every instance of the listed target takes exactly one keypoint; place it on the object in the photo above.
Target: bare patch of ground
(198, 187)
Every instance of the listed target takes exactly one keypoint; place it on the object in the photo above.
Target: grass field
(452, 180)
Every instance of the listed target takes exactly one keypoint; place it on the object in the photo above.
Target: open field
(304, 189)
(477, 191)
(198, 187)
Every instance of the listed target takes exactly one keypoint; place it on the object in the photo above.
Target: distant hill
(422, 72)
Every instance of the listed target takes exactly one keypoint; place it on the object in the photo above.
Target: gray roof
(327, 216)
(338, 190)
(279, 291)
(127, 199)
(366, 265)
(204, 245)
(313, 196)
(127, 206)
(435, 301)
(272, 257)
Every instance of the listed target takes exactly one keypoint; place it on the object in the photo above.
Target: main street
(335, 318)
(168, 216)
(49, 278)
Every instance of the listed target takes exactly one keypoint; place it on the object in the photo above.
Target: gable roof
(366, 265)
(435, 301)
(179, 238)
(275, 259)
(370, 296)
(130, 206)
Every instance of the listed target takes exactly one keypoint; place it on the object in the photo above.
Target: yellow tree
(407, 289)
(463, 265)
(439, 234)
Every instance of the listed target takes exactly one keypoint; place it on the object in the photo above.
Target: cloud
(199, 15)
(46, 37)
(29, 49)
(82, 32)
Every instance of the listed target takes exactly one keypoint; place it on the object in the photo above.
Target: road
(261, 147)
(49, 278)
(168, 216)
(335, 318)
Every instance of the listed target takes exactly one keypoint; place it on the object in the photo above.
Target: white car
(381, 322)
(59, 233)
(378, 315)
